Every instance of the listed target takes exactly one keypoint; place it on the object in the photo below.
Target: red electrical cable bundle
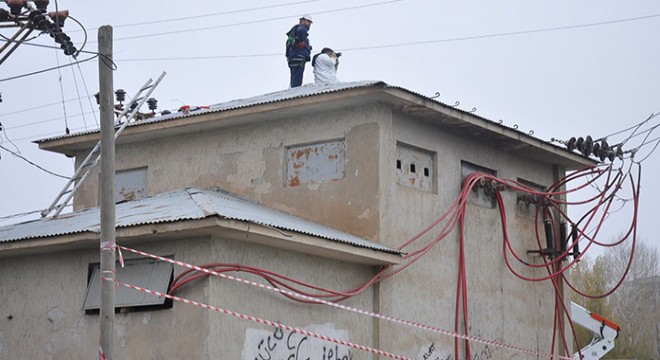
(549, 208)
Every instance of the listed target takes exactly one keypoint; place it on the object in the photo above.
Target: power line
(511, 33)
(89, 99)
(36, 108)
(48, 69)
(31, 163)
(251, 22)
(194, 17)
(465, 38)
(59, 73)
(3, 218)
(48, 135)
(75, 82)
(632, 127)
(7, 136)
(13, 216)
(201, 57)
(49, 120)
(657, 142)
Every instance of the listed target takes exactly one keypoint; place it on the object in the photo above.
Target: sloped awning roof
(181, 205)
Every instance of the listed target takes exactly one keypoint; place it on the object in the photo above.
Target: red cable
(455, 215)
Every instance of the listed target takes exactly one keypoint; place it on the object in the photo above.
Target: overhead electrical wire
(182, 31)
(14, 216)
(360, 48)
(84, 43)
(47, 69)
(32, 163)
(33, 123)
(414, 43)
(89, 97)
(78, 52)
(656, 141)
(3, 129)
(75, 82)
(59, 78)
(36, 107)
(510, 33)
(49, 134)
(636, 126)
(199, 16)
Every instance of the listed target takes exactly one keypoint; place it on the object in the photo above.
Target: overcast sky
(558, 68)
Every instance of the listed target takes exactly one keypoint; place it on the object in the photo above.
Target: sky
(558, 68)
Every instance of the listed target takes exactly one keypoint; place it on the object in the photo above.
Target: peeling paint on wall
(131, 184)
(315, 163)
(55, 316)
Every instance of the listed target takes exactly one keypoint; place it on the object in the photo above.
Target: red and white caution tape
(352, 309)
(263, 321)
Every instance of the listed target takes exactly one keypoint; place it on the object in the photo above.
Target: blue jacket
(301, 50)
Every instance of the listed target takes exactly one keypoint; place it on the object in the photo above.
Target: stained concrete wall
(42, 297)
(501, 306)
(369, 202)
(252, 161)
(44, 294)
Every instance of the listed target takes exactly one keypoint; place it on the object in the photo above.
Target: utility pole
(107, 311)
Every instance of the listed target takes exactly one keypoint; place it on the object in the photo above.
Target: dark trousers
(297, 71)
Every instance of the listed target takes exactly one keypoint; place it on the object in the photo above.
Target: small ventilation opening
(415, 167)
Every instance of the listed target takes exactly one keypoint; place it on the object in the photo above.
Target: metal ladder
(94, 157)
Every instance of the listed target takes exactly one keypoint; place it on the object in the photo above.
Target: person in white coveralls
(325, 66)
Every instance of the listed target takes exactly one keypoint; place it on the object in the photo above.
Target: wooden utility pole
(107, 311)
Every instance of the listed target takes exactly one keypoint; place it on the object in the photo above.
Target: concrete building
(320, 183)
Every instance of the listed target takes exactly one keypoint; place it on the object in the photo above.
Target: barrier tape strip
(359, 311)
(121, 256)
(263, 321)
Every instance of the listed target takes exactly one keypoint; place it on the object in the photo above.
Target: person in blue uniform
(298, 50)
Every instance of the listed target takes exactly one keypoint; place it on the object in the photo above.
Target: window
(130, 184)
(415, 167)
(315, 163)
(147, 273)
(478, 196)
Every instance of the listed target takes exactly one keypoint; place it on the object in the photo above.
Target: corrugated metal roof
(187, 204)
(300, 92)
(288, 94)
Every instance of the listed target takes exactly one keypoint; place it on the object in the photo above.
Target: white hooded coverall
(325, 70)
